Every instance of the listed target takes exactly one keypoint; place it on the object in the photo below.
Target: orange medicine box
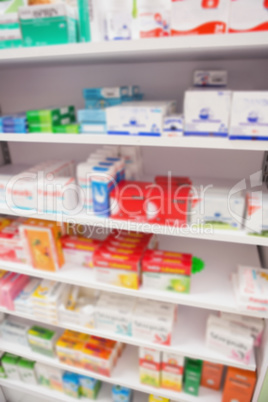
(239, 385)
(79, 250)
(212, 375)
(42, 241)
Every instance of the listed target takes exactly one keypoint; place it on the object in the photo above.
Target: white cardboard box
(248, 16)
(207, 112)
(249, 117)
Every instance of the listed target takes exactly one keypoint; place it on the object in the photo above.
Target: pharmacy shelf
(189, 47)
(187, 340)
(180, 142)
(230, 236)
(126, 373)
(39, 391)
(210, 289)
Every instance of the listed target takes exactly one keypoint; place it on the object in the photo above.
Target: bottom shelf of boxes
(53, 395)
(125, 373)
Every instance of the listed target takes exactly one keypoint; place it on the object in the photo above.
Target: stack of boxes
(93, 117)
(48, 24)
(10, 34)
(46, 300)
(118, 260)
(11, 284)
(14, 123)
(161, 370)
(42, 340)
(50, 120)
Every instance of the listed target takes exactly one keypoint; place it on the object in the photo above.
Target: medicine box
(26, 370)
(79, 250)
(153, 322)
(66, 129)
(229, 339)
(255, 325)
(121, 394)
(249, 119)
(42, 374)
(256, 222)
(15, 330)
(207, 112)
(11, 288)
(51, 117)
(139, 118)
(191, 17)
(48, 24)
(111, 92)
(71, 384)
(153, 398)
(172, 369)
(42, 340)
(212, 375)
(89, 387)
(166, 272)
(239, 385)
(115, 315)
(69, 351)
(10, 365)
(192, 377)
(150, 367)
(41, 241)
(218, 207)
(173, 126)
(23, 302)
(2, 370)
(248, 16)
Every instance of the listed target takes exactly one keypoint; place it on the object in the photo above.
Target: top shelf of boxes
(126, 31)
(253, 44)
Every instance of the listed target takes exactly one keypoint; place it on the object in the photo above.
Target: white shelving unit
(163, 68)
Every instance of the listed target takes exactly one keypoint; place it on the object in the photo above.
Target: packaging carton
(48, 24)
(212, 375)
(172, 371)
(191, 17)
(249, 119)
(42, 340)
(26, 371)
(10, 365)
(207, 112)
(192, 378)
(139, 118)
(150, 367)
(248, 16)
(239, 385)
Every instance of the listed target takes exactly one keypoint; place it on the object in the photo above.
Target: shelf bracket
(265, 169)
(5, 152)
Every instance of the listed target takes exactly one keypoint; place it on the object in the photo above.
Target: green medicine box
(26, 371)
(192, 377)
(67, 129)
(10, 365)
(42, 340)
(48, 24)
(57, 116)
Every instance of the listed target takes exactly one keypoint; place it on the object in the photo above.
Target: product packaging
(79, 250)
(191, 17)
(239, 385)
(71, 384)
(212, 375)
(41, 240)
(248, 16)
(26, 371)
(150, 367)
(10, 365)
(15, 330)
(249, 119)
(89, 387)
(172, 371)
(173, 126)
(48, 24)
(207, 112)
(42, 340)
(153, 18)
(139, 118)
(192, 377)
(23, 302)
(11, 285)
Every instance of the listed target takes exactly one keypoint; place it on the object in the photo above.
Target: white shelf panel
(174, 48)
(210, 289)
(187, 340)
(39, 391)
(180, 142)
(125, 374)
(230, 236)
